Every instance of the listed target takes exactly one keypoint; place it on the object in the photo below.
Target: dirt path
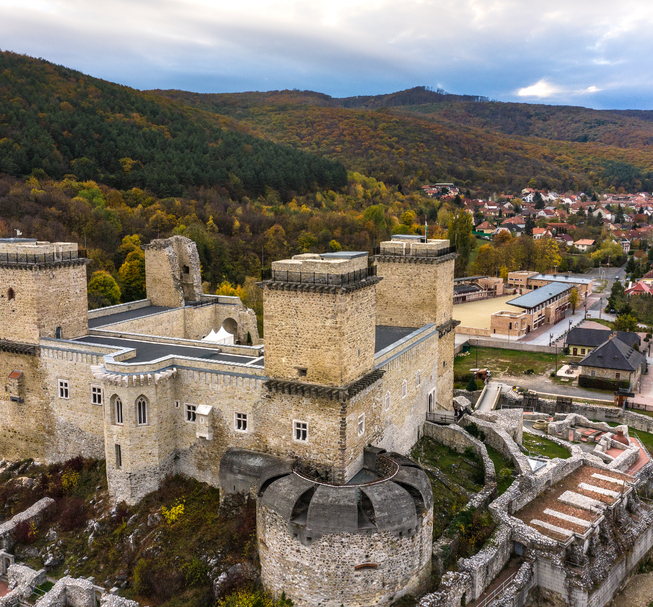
(638, 592)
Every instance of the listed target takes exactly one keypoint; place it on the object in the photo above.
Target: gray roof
(344, 255)
(386, 336)
(563, 278)
(147, 351)
(539, 296)
(110, 319)
(595, 337)
(614, 354)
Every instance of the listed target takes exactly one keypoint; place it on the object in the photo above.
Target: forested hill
(417, 136)
(625, 128)
(63, 122)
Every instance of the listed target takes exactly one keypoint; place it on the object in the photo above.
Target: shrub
(173, 514)
(195, 572)
(75, 464)
(25, 532)
(472, 386)
(475, 431)
(157, 579)
(69, 480)
(122, 512)
(601, 383)
(73, 513)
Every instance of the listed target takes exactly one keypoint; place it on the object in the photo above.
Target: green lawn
(538, 445)
(501, 463)
(505, 362)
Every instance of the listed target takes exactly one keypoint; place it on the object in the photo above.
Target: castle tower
(172, 272)
(417, 286)
(416, 290)
(43, 290)
(320, 313)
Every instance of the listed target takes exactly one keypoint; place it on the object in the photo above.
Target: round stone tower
(365, 543)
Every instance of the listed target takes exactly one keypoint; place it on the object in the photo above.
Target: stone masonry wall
(44, 298)
(350, 569)
(78, 426)
(24, 427)
(330, 335)
(414, 294)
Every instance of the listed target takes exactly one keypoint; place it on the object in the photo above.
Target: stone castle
(316, 423)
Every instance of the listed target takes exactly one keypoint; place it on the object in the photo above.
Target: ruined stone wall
(24, 427)
(459, 439)
(172, 272)
(414, 292)
(44, 298)
(349, 569)
(329, 334)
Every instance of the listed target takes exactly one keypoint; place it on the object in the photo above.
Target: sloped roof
(595, 337)
(613, 354)
(539, 296)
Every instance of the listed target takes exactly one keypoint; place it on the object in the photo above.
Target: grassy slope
(538, 445)
(173, 556)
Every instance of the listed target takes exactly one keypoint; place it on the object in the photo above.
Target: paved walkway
(513, 566)
(489, 398)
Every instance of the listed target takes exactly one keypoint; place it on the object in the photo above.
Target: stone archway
(231, 326)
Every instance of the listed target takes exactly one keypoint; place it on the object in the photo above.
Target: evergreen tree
(460, 237)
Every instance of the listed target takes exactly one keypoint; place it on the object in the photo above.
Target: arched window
(117, 410)
(141, 411)
(11, 294)
(57, 333)
(404, 389)
(419, 378)
(387, 400)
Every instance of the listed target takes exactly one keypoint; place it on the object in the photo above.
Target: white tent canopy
(221, 337)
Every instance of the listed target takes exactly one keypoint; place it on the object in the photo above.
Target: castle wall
(77, 423)
(414, 294)
(24, 427)
(192, 322)
(329, 334)
(354, 569)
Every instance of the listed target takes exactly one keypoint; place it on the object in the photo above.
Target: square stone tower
(320, 316)
(42, 290)
(417, 286)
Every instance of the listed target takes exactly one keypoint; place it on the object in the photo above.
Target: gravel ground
(638, 592)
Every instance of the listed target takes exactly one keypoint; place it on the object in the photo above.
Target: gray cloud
(582, 52)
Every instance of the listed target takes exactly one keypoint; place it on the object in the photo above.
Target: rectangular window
(300, 431)
(582, 350)
(240, 422)
(618, 376)
(64, 391)
(118, 405)
(191, 413)
(118, 457)
(361, 424)
(96, 395)
(419, 378)
(593, 373)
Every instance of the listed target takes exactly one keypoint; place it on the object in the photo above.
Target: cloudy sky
(594, 53)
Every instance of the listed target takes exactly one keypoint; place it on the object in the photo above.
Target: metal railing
(410, 252)
(317, 278)
(32, 258)
(500, 588)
